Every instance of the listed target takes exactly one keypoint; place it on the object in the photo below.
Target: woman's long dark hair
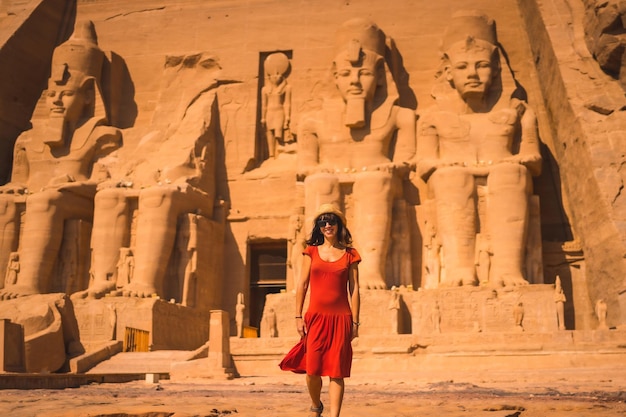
(344, 238)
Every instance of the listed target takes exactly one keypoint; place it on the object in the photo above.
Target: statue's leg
(509, 186)
(271, 143)
(46, 212)
(159, 208)
(373, 199)
(111, 231)
(455, 205)
(319, 189)
(9, 232)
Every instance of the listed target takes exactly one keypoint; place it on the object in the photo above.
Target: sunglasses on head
(322, 223)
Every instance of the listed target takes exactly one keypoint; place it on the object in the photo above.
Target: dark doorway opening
(268, 275)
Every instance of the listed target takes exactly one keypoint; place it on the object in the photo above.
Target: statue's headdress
(276, 63)
(359, 41)
(357, 35)
(80, 57)
(468, 29)
(469, 25)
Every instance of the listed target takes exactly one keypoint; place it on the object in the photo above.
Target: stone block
(107, 319)
(12, 355)
(152, 378)
(482, 309)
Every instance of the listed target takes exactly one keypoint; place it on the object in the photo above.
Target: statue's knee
(454, 179)
(7, 206)
(42, 201)
(377, 183)
(109, 198)
(154, 197)
(509, 175)
(322, 184)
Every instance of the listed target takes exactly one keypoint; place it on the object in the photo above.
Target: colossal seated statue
(163, 192)
(56, 166)
(360, 139)
(478, 148)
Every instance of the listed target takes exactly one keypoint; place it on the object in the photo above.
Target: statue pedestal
(484, 309)
(379, 314)
(168, 326)
(460, 310)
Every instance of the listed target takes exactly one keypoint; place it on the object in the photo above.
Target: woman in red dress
(330, 270)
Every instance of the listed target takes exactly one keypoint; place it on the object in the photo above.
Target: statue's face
(66, 101)
(471, 72)
(356, 80)
(276, 78)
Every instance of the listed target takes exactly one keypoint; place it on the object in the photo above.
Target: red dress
(328, 320)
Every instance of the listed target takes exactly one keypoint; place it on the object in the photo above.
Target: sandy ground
(571, 393)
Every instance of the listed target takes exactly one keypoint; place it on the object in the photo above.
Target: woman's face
(328, 225)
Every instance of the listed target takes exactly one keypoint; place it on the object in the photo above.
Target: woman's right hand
(300, 326)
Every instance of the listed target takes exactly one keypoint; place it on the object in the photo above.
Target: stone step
(156, 362)
(460, 351)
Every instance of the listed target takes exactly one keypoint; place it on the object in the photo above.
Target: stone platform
(443, 310)
(169, 325)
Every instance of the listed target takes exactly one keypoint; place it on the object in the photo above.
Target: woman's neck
(328, 242)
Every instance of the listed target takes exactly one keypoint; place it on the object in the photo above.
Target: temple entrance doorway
(268, 275)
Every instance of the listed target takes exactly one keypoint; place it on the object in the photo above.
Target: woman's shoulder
(353, 254)
(310, 250)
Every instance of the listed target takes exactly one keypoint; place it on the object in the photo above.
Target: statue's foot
(494, 282)
(469, 281)
(513, 280)
(459, 276)
(15, 291)
(372, 282)
(139, 290)
(96, 290)
(451, 282)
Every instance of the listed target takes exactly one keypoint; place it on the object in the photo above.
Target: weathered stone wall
(585, 112)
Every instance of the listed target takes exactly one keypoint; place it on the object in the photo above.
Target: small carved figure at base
(239, 309)
(271, 323)
(601, 313)
(518, 314)
(559, 299)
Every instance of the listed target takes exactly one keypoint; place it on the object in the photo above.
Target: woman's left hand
(355, 331)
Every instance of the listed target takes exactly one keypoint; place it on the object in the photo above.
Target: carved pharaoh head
(74, 86)
(359, 67)
(470, 54)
